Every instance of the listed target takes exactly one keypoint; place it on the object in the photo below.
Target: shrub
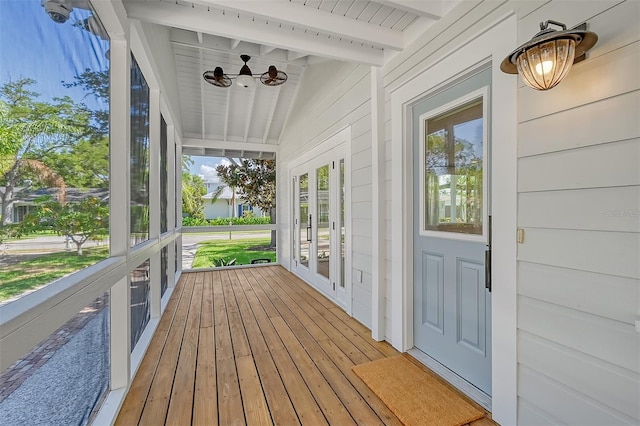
(225, 221)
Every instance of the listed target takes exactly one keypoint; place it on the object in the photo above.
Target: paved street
(44, 244)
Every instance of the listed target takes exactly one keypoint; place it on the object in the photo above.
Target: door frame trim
(487, 47)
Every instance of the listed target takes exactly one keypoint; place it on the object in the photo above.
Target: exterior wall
(578, 270)
(334, 95)
(220, 208)
(578, 198)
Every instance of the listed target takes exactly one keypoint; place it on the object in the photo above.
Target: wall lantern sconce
(546, 59)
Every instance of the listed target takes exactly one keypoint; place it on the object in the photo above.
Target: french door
(319, 226)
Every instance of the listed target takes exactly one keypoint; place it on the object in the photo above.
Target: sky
(205, 167)
(34, 46)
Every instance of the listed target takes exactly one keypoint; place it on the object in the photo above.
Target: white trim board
(488, 46)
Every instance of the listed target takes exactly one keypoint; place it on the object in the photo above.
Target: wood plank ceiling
(290, 34)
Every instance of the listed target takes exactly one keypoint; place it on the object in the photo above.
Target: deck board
(255, 346)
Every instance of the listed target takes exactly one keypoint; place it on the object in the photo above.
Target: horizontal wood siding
(335, 96)
(579, 203)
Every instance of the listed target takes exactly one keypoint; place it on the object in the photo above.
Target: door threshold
(456, 381)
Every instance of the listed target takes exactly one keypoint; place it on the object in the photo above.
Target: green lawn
(30, 274)
(244, 251)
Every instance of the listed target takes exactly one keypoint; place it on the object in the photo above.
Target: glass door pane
(453, 164)
(323, 239)
(303, 214)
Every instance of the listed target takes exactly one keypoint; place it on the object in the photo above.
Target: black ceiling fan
(217, 77)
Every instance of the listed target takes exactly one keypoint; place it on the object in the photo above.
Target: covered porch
(256, 346)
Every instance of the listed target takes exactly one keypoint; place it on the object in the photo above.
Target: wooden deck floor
(255, 346)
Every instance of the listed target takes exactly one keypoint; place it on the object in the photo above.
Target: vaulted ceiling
(290, 34)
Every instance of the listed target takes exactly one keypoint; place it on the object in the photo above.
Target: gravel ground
(65, 390)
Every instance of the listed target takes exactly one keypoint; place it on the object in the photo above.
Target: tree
(28, 126)
(78, 221)
(193, 189)
(255, 181)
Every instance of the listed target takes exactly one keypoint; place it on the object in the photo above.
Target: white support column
(178, 200)
(174, 168)
(120, 147)
(154, 164)
(178, 187)
(120, 196)
(155, 278)
(378, 279)
(120, 334)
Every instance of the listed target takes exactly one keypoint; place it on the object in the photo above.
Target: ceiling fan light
(245, 78)
(245, 81)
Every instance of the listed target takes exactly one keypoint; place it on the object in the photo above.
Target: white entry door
(451, 229)
(319, 226)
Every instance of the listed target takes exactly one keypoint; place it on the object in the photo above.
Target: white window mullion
(154, 164)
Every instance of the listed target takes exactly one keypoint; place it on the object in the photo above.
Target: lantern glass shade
(544, 65)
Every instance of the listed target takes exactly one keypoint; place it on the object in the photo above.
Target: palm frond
(47, 176)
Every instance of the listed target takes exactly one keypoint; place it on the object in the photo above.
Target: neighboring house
(545, 330)
(26, 201)
(225, 204)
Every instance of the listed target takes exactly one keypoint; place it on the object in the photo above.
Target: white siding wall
(579, 195)
(333, 96)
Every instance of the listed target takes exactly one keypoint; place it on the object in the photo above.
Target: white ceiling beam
(188, 18)
(434, 9)
(199, 37)
(292, 104)
(298, 15)
(226, 113)
(272, 111)
(292, 56)
(218, 144)
(204, 131)
(252, 106)
(265, 50)
(219, 44)
(235, 43)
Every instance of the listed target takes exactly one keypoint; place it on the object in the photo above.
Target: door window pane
(453, 167)
(323, 230)
(304, 220)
